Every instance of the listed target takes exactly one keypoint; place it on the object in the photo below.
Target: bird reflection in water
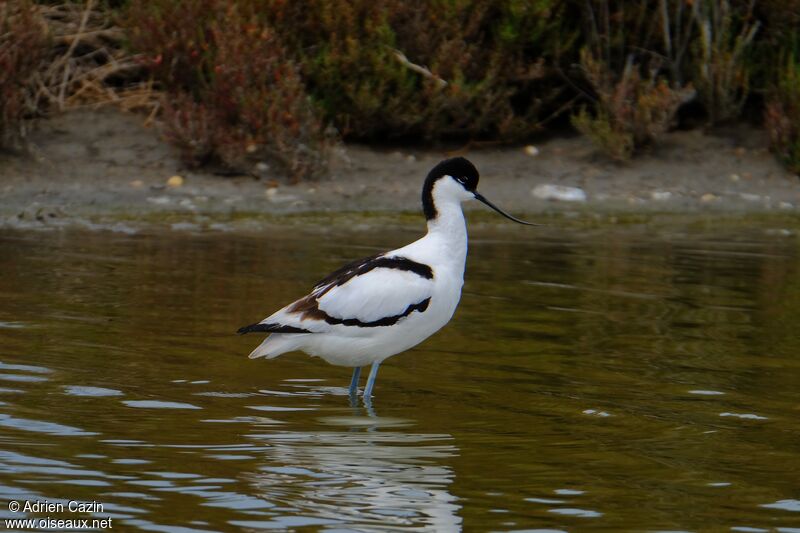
(361, 470)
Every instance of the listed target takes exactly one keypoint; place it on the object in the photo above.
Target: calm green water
(618, 379)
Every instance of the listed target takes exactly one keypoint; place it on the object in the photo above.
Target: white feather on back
(377, 294)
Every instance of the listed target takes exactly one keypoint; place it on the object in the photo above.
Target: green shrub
(782, 114)
(627, 63)
(23, 42)
(233, 96)
(632, 112)
(413, 68)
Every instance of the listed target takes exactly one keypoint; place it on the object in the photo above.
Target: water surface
(617, 378)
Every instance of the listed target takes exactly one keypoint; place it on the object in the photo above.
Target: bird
(382, 305)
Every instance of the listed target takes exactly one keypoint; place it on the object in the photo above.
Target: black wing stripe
(385, 321)
(345, 273)
(401, 263)
(362, 266)
(271, 328)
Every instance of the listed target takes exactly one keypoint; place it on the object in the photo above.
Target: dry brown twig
(88, 63)
(419, 69)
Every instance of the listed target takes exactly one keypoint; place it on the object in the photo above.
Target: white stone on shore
(750, 197)
(562, 193)
(531, 150)
(159, 200)
(275, 198)
(660, 196)
(188, 204)
(779, 231)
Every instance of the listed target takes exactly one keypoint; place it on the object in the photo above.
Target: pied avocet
(379, 306)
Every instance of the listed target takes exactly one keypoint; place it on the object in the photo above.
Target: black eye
(461, 179)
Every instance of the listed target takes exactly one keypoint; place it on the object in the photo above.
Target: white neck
(449, 229)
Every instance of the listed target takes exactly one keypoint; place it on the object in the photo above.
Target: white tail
(276, 344)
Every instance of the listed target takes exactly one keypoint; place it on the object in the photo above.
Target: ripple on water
(234, 500)
(133, 495)
(147, 525)
(19, 458)
(254, 420)
(744, 416)
(537, 531)
(126, 442)
(22, 378)
(214, 394)
(365, 421)
(268, 392)
(574, 511)
(569, 492)
(702, 392)
(276, 408)
(158, 404)
(56, 471)
(784, 505)
(173, 475)
(39, 426)
(284, 522)
(229, 457)
(547, 501)
(83, 482)
(25, 368)
(80, 390)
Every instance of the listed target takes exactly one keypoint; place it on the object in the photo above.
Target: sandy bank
(92, 165)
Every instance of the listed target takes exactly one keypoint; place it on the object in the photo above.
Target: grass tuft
(23, 42)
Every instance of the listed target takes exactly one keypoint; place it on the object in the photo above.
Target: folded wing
(377, 291)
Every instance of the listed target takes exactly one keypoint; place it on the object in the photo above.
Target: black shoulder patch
(347, 271)
(270, 328)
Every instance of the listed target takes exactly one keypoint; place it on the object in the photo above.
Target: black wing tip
(246, 329)
(270, 328)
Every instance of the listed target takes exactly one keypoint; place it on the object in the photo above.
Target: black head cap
(457, 167)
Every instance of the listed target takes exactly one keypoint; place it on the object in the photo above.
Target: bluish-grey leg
(371, 381)
(354, 381)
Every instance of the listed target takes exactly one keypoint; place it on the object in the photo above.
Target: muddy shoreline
(106, 167)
